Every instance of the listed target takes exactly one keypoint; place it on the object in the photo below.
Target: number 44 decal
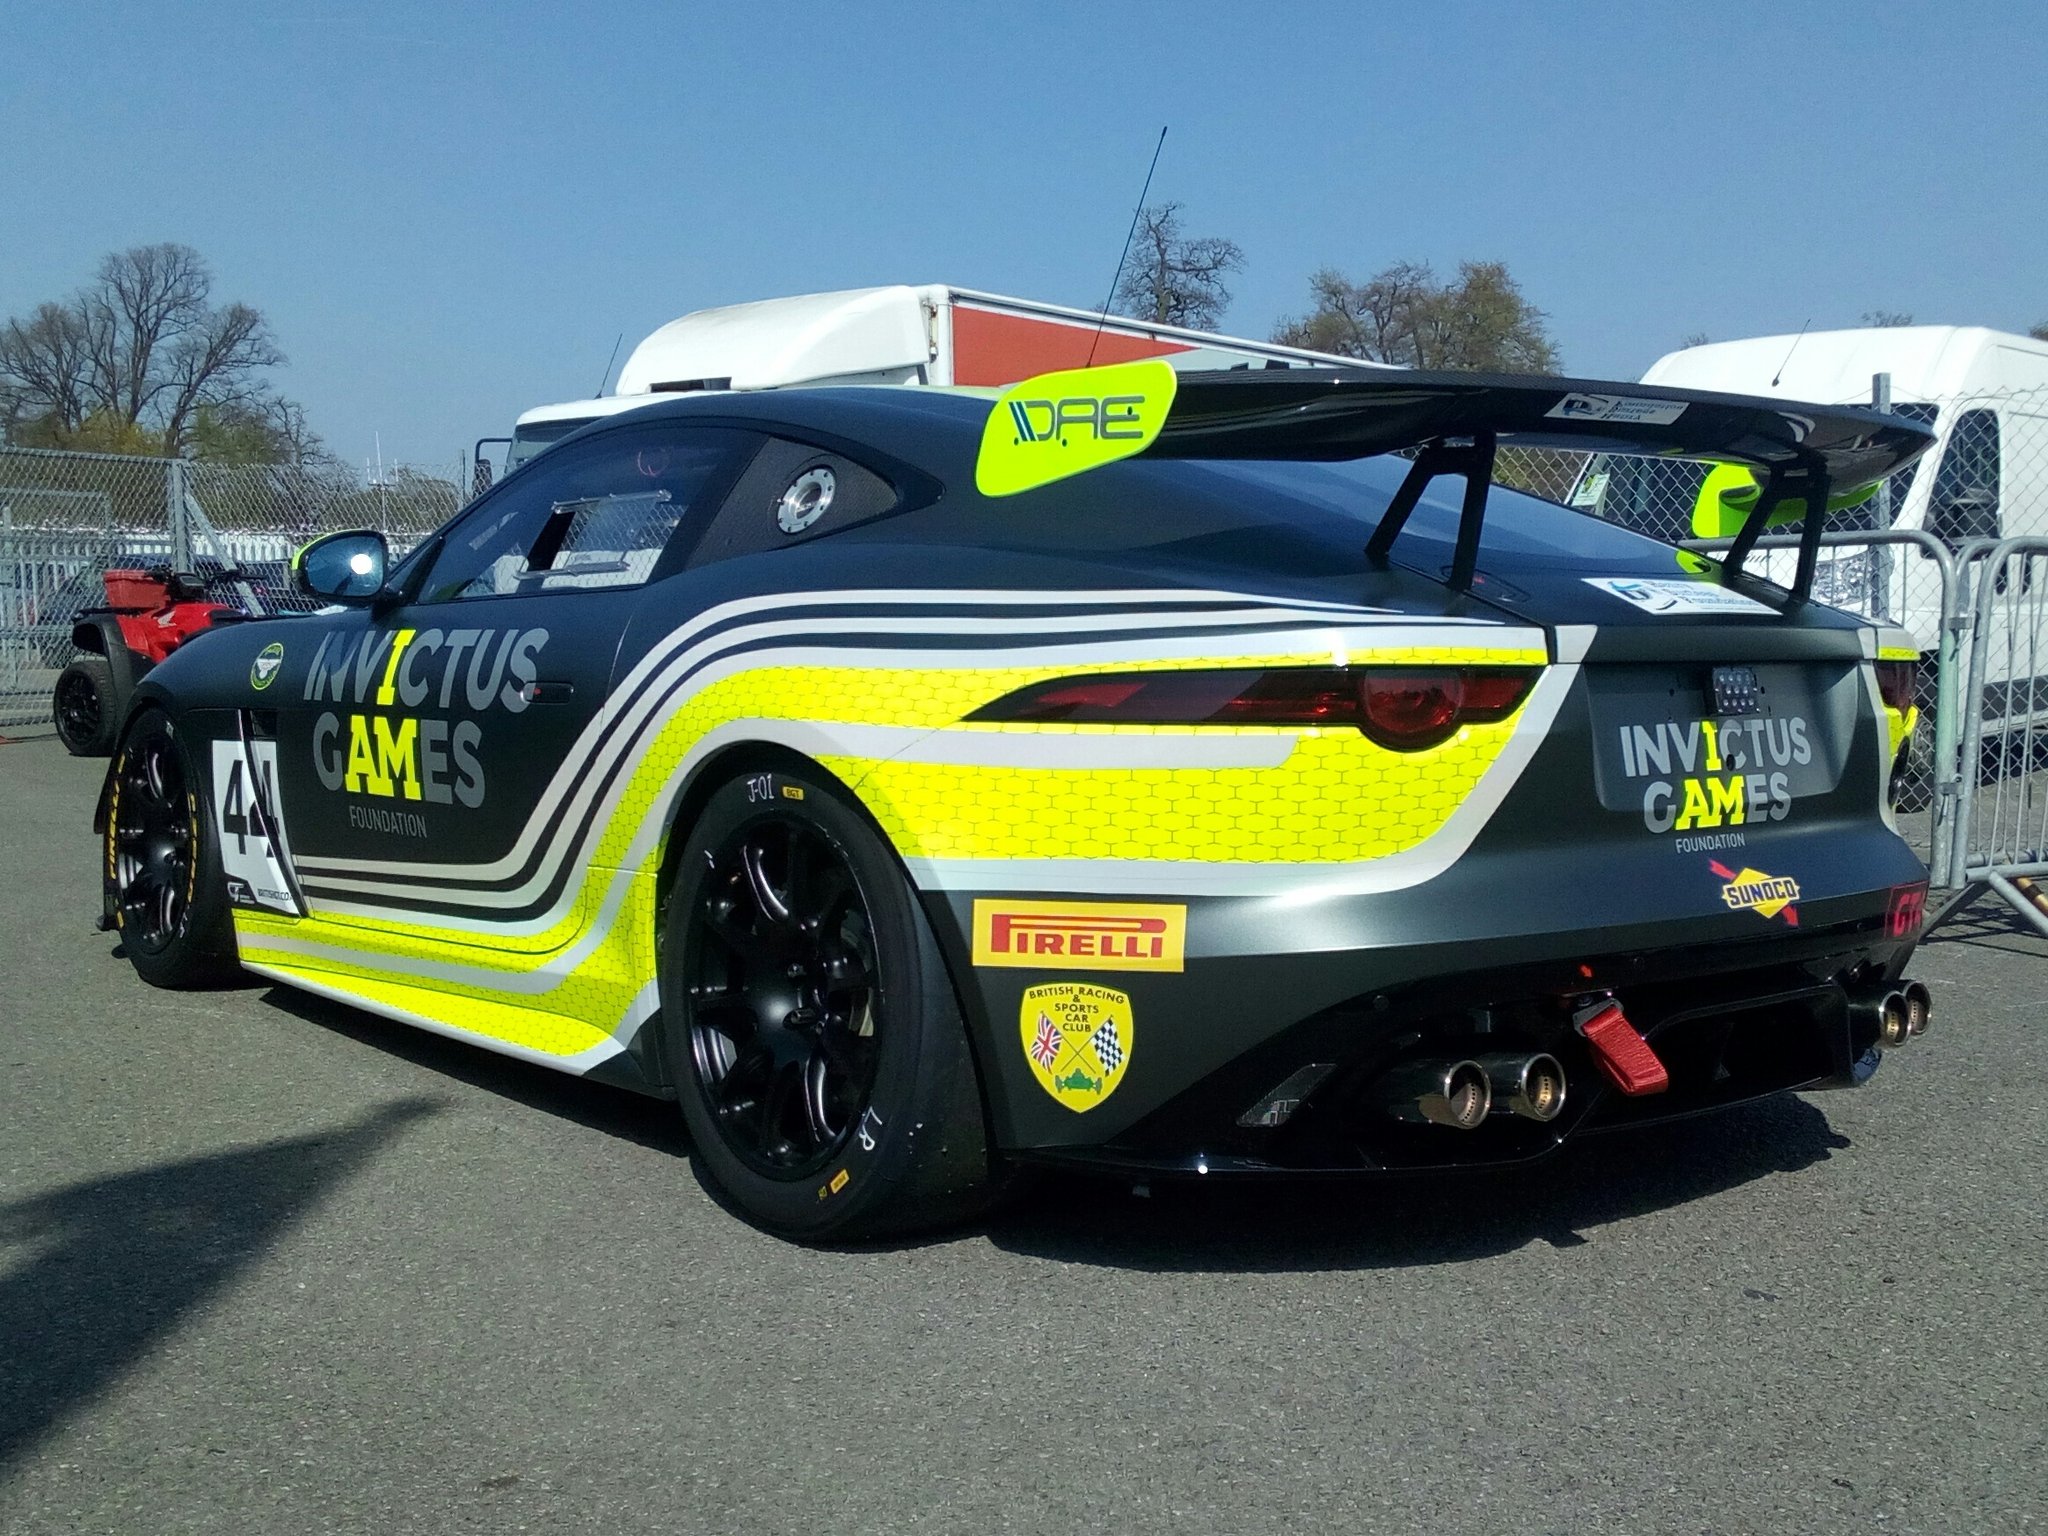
(253, 855)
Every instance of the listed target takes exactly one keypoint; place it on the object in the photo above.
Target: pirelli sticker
(1080, 935)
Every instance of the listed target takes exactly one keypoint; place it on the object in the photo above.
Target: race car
(1211, 775)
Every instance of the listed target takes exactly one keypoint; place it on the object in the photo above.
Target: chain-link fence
(67, 518)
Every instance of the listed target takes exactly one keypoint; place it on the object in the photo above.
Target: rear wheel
(163, 863)
(811, 1029)
(84, 708)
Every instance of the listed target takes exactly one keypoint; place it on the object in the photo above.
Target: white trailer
(934, 334)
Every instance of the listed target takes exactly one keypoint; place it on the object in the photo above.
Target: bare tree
(135, 356)
(1693, 339)
(1403, 315)
(1884, 319)
(1174, 278)
(2039, 331)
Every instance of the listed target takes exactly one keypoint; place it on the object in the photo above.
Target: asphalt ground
(268, 1265)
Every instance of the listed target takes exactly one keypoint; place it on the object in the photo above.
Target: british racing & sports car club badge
(1078, 1039)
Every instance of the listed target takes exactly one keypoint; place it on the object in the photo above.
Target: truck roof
(893, 335)
(1926, 362)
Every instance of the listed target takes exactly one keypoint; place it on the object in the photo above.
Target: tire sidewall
(203, 950)
(913, 1004)
(100, 676)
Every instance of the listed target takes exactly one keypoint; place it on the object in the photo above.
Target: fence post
(10, 577)
(175, 515)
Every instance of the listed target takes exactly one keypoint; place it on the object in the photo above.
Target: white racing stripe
(671, 666)
(567, 825)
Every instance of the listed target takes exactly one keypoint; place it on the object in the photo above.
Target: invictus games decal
(1080, 935)
(1705, 774)
(384, 749)
(263, 670)
(1751, 890)
(1078, 1040)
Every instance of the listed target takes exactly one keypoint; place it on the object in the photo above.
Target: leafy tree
(1174, 278)
(2039, 331)
(1404, 315)
(1886, 317)
(138, 359)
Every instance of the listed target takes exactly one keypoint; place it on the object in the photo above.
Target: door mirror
(343, 567)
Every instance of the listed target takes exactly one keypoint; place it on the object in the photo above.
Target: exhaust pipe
(1453, 1093)
(1891, 1013)
(1529, 1086)
(1919, 1005)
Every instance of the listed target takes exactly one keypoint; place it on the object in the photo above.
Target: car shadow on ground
(113, 1264)
(1272, 1226)
(634, 1117)
(1215, 1225)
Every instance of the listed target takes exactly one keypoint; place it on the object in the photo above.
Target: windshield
(530, 437)
(1656, 496)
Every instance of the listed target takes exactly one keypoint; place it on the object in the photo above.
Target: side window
(789, 493)
(1964, 502)
(594, 514)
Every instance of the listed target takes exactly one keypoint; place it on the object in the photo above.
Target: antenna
(1130, 234)
(1788, 353)
(608, 364)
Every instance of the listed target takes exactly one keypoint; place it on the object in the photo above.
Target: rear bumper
(1737, 1005)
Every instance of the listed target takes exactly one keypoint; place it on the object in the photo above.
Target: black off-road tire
(161, 862)
(819, 1055)
(84, 709)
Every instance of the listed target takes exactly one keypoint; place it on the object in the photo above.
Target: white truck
(1985, 394)
(933, 334)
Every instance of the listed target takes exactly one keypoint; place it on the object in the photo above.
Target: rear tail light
(1897, 682)
(1404, 708)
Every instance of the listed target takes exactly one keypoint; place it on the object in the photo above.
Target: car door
(439, 759)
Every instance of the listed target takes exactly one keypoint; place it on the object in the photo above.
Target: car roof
(907, 421)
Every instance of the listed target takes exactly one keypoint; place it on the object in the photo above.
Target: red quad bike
(149, 614)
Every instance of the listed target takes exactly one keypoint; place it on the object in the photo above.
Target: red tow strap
(1624, 1055)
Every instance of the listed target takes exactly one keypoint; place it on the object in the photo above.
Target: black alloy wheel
(163, 871)
(808, 1022)
(783, 1030)
(83, 707)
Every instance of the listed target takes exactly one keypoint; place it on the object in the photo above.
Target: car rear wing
(1804, 455)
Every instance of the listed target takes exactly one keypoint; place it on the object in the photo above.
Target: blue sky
(450, 212)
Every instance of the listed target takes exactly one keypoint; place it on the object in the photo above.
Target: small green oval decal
(264, 669)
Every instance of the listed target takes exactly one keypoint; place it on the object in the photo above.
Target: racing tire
(168, 894)
(84, 709)
(810, 1027)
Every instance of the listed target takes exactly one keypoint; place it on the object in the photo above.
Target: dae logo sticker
(1060, 424)
(264, 669)
(1078, 1040)
(1080, 935)
(1751, 890)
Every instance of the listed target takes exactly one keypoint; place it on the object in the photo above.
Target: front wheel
(162, 867)
(809, 1024)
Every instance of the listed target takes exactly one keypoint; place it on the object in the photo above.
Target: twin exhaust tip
(1461, 1094)
(1901, 1014)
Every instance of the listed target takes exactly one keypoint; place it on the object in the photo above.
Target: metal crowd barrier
(1999, 835)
